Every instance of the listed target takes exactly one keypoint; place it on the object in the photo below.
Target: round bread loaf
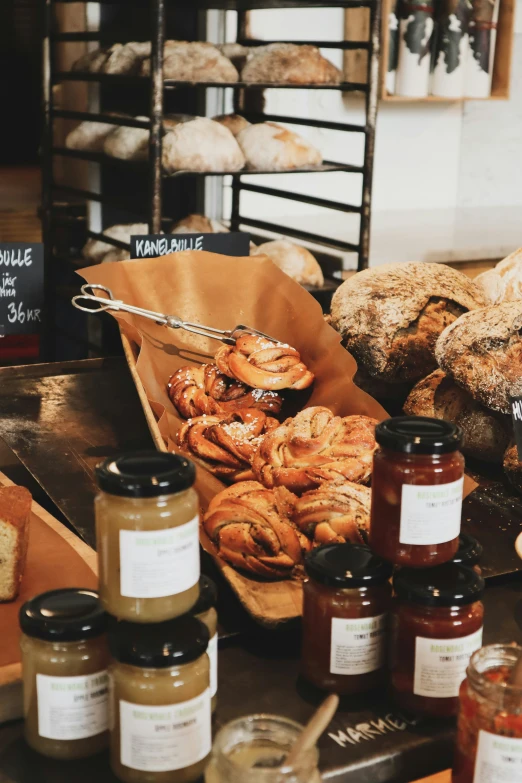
(390, 317)
(504, 282)
(128, 143)
(94, 61)
(201, 145)
(290, 64)
(194, 61)
(513, 467)
(482, 351)
(485, 434)
(270, 146)
(234, 122)
(95, 250)
(198, 224)
(127, 59)
(89, 136)
(297, 262)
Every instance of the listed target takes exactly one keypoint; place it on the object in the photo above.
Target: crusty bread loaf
(236, 53)
(94, 60)
(270, 146)
(198, 224)
(482, 351)
(127, 59)
(291, 64)
(201, 145)
(504, 282)
(513, 467)
(95, 250)
(390, 316)
(128, 143)
(297, 262)
(386, 393)
(485, 434)
(89, 136)
(15, 511)
(195, 61)
(234, 122)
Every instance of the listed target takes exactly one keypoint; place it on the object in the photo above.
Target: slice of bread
(15, 510)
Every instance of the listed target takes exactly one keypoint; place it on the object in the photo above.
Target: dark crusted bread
(485, 434)
(390, 317)
(513, 467)
(482, 351)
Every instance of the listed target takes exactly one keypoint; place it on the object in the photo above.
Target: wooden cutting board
(56, 557)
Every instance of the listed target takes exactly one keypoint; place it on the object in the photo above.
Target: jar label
(499, 759)
(72, 708)
(440, 664)
(357, 645)
(212, 652)
(159, 563)
(430, 513)
(166, 737)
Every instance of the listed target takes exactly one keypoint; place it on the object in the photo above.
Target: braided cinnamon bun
(316, 446)
(334, 513)
(226, 446)
(204, 390)
(264, 364)
(251, 528)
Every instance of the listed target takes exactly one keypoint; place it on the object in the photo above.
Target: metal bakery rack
(128, 191)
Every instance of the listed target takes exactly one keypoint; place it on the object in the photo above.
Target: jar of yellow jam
(160, 722)
(205, 610)
(147, 536)
(64, 667)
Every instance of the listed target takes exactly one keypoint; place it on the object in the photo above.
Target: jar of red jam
(436, 626)
(489, 731)
(347, 598)
(417, 482)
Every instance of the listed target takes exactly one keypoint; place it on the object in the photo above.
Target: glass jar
(469, 552)
(436, 626)
(147, 536)
(64, 671)
(205, 610)
(417, 483)
(253, 750)
(489, 730)
(160, 701)
(345, 618)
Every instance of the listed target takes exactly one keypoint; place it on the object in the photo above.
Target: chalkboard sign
(21, 287)
(516, 413)
(235, 243)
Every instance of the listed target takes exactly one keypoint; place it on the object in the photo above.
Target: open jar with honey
(417, 484)
(147, 536)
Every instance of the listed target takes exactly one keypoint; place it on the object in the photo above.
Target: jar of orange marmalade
(417, 483)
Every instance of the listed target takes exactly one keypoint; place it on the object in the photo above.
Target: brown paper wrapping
(222, 292)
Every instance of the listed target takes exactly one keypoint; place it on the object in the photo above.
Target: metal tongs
(88, 294)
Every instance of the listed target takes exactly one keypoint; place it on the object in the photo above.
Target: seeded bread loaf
(390, 317)
(485, 434)
(482, 351)
(15, 510)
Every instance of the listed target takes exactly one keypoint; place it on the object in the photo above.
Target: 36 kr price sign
(21, 287)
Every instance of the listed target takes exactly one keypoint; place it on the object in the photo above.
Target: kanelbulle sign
(21, 287)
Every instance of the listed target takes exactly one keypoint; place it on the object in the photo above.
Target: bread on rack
(485, 433)
(334, 513)
(194, 61)
(89, 136)
(264, 364)
(128, 143)
(204, 390)
(482, 351)
(504, 282)
(94, 60)
(95, 250)
(389, 317)
(198, 224)
(236, 53)
(270, 146)
(316, 446)
(116, 254)
(513, 467)
(297, 262)
(15, 512)
(289, 64)
(127, 59)
(234, 122)
(251, 528)
(226, 446)
(201, 145)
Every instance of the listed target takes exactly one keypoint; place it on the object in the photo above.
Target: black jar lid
(469, 551)
(418, 435)
(450, 584)
(158, 645)
(207, 595)
(67, 615)
(346, 565)
(145, 474)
